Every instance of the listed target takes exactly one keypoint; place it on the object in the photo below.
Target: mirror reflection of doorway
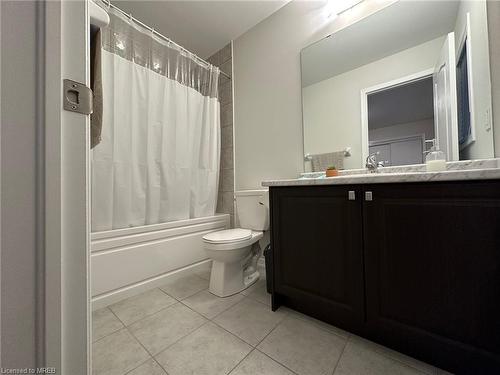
(400, 120)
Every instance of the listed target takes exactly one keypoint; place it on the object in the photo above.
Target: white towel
(320, 162)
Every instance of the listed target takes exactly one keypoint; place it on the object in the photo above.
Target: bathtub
(128, 261)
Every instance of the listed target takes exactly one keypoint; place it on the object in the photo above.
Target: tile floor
(182, 329)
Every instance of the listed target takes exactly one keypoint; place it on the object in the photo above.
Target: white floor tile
(209, 305)
(150, 367)
(412, 362)
(318, 323)
(116, 354)
(303, 347)
(209, 350)
(162, 329)
(104, 322)
(187, 343)
(259, 364)
(259, 293)
(249, 320)
(360, 359)
(258, 284)
(184, 286)
(137, 307)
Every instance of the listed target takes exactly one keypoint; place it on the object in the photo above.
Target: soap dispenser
(435, 160)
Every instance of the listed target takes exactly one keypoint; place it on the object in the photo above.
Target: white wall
(332, 108)
(494, 29)
(480, 70)
(267, 88)
(403, 130)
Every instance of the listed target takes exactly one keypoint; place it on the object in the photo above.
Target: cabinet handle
(368, 196)
(352, 195)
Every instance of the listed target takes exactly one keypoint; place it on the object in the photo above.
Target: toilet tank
(252, 209)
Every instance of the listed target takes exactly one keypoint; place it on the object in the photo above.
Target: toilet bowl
(229, 258)
(235, 252)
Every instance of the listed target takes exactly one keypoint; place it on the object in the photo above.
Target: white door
(67, 314)
(445, 100)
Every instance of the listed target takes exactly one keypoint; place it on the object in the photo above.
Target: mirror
(411, 75)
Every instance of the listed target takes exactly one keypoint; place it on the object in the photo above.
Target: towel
(320, 162)
(96, 82)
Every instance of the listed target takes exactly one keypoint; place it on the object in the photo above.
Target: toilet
(235, 252)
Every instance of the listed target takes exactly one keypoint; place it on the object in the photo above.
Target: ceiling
(203, 27)
(401, 104)
(395, 28)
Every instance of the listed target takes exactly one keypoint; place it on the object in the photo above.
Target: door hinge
(77, 97)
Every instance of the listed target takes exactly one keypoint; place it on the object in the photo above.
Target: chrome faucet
(372, 164)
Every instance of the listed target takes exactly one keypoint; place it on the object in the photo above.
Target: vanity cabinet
(317, 252)
(414, 266)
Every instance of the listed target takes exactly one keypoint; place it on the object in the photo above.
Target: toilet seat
(228, 236)
(234, 244)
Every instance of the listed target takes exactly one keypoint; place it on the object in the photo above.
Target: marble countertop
(456, 171)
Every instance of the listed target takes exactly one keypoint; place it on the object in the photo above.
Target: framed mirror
(413, 75)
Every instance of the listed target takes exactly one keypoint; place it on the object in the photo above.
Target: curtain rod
(198, 59)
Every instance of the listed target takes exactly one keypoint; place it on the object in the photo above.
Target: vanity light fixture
(335, 8)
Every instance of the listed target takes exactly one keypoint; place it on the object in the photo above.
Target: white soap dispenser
(435, 160)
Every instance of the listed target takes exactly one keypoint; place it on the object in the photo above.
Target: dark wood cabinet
(416, 268)
(432, 261)
(317, 252)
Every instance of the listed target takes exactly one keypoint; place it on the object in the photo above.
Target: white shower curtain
(158, 159)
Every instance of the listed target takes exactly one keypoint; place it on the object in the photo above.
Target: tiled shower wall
(225, 198)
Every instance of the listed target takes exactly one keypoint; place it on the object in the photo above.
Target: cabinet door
(432, 258)
(317, 250)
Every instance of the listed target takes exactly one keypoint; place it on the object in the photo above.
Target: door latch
(77, 97)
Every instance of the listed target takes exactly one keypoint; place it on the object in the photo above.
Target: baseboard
(106, 299)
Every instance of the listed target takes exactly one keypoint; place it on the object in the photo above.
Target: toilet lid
(228, 235)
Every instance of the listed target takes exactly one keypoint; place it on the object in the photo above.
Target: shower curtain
(158, 159)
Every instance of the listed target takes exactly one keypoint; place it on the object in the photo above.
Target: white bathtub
(128, 261)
